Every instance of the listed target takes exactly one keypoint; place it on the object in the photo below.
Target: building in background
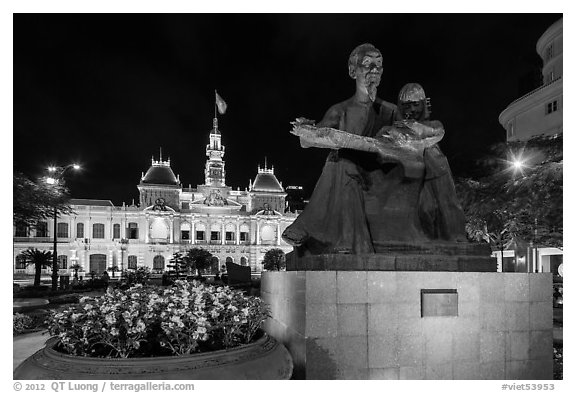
(236, 226)
(538, 112)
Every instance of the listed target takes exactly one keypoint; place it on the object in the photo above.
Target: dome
(266, 181)
(160, 173)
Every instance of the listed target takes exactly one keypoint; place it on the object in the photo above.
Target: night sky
(108, 91)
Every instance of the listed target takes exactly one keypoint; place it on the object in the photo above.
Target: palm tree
(40, 259)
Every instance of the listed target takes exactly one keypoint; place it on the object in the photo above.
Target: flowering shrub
(21, 322)
(152, 321)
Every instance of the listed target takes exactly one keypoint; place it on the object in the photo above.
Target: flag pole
(215, 106)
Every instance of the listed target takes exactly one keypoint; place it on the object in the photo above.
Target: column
(237, 232)
(193, 230)
(171, 229)
(258, 232)
(278, 234)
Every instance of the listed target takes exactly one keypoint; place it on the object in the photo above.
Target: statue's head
(365, 66)
(412, 102)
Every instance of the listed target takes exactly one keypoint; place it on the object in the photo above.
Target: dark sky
(109, 90)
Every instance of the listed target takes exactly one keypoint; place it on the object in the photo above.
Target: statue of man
(334, 221)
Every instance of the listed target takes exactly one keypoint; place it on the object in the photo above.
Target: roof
(160, 173)
(91, 202)
(266, 181)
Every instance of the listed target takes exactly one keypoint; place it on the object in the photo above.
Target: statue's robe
(335, 219)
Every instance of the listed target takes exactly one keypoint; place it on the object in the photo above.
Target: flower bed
(152, 321)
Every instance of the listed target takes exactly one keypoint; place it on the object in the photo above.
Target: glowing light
(52, 169)
(50, 180)
(518, 164)
(76, 166)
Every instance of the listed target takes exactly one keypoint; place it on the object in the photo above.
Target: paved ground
(26, 345)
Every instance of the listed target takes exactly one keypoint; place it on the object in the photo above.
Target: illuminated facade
(234, 225)
(538, 112)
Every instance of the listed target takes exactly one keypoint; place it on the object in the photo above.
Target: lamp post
(57, 174)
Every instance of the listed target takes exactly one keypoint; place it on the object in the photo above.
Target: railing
(535, 90)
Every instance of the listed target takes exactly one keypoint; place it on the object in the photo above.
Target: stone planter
(263, 359)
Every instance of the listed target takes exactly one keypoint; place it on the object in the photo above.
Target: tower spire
(160, 153)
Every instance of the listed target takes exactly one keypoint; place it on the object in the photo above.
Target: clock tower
(214, 173)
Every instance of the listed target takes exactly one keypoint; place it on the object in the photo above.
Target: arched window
(116, 231)
(132, 261)
(229, 259)
(97, 263)
(79, 231)
(244, 233)
(185, 231)
(98, 231)
(62, 230)
(158, 263)
(213, 269)
(62, 262)
(200, 232)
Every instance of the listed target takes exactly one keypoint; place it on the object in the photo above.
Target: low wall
(368, 325)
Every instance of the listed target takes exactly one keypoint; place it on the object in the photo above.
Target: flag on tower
(220, 103)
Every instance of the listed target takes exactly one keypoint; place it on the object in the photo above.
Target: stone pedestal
(369, 324)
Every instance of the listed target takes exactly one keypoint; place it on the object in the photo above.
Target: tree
(40, 259)
(274, 259)
(522, 200)
(198, 259)
(179, 262)
(35, 201)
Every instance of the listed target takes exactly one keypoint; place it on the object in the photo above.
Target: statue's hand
(302, 121)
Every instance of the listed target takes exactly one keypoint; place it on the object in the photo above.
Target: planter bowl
(262, 359)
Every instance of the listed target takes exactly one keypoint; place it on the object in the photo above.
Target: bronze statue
(440, 213)
(335, 219)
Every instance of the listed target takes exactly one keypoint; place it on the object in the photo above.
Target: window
(229, 236)
(215, 235)
(200, 235)
(116, 231)
(551, 107)
(62, 262)
(20, 262)
(98, 262)
(158, 263)
(510, 129)
(62, 229)
(21, 230)
(98, 231)
(243, 236)
(132, 261)
(132, 231)
(185, 235)
(42, 229)
(79, 230)
(550, 52)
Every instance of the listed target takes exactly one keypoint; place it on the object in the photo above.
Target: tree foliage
(199, 259)
(274, 259)
(180, 262)
(525, 201)
(35, 200)
(40, 260)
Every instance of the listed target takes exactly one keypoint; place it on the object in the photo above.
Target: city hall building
(237, 226)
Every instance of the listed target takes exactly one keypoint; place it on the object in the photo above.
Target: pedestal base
(369, 324)
(398, 256)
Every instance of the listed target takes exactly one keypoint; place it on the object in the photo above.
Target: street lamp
(57, 175)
